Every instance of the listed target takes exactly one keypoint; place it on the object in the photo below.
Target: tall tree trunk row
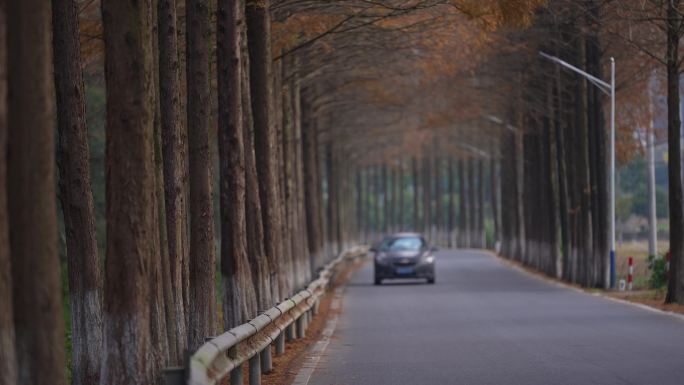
(8, 359)
(175, 162)
(85, 277)
(203, 317)
(131, 231)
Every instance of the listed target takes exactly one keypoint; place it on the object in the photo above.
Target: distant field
(638, 250)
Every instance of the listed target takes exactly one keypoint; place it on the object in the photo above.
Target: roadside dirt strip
(631, 298)
(315, 352)
(301, 357)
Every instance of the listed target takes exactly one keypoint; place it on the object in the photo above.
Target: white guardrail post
(255, 370)
(225, 356)
(236, 376)
(280, 343)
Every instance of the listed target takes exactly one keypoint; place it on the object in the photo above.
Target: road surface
(486, 323)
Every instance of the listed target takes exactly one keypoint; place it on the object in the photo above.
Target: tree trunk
(359, 199)
(463, 233)
(473, 227)
(202, 248)
(291, 241)
(480, 204)
(554, 186)
(85, 278)
(370, 202)
(239, 298)
(8, 358)
(675, 287)
(331, 183)
(319, 191)
(416, 197)
(599, 162)
(510, 197)
(259, 45)
(519, 206)
(396, 183)
(563, 194)
(130, 192)
(313, 227)
(31, 197)
(300, 223)
(391, 179)
(377, 188)
(494, 196)
(438, 222)
(530, 195)
(283, 169)
(385, 198)
(584, 186)
(339, 202)
(506, 212)
(427, 195)
(365, 206)
(161, 297)
(401, 192)
(185, 172)
(451, 211)
(551, 228)
(174, 151)
(261, 270)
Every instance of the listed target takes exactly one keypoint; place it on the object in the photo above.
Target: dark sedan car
(404, 255)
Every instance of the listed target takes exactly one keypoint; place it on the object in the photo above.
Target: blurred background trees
(273, 134)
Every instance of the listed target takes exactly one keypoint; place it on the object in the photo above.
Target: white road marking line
(316, 352)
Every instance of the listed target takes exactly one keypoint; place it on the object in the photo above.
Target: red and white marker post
(667, 264)
(630, 262)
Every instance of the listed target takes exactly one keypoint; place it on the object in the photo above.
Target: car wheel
(431, 280)
(378, 281)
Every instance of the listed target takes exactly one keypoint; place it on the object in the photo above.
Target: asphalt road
(485, 323)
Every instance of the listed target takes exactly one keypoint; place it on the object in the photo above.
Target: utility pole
(650, 154)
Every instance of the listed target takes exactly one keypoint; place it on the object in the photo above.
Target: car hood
(409, 254)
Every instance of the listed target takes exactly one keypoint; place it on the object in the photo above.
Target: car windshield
(403, 244)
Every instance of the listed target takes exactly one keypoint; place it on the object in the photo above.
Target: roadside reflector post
(630, 276)
(667, 264)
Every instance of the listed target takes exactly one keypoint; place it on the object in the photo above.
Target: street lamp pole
(608, 89)
(612, 173)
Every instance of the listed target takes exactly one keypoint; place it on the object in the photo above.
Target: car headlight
(430, 259)
(381, 257)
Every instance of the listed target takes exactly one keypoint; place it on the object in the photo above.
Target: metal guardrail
(251, 342)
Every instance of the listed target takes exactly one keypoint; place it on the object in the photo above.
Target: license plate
(404, 270)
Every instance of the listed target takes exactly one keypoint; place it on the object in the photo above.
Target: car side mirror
(434, 249)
